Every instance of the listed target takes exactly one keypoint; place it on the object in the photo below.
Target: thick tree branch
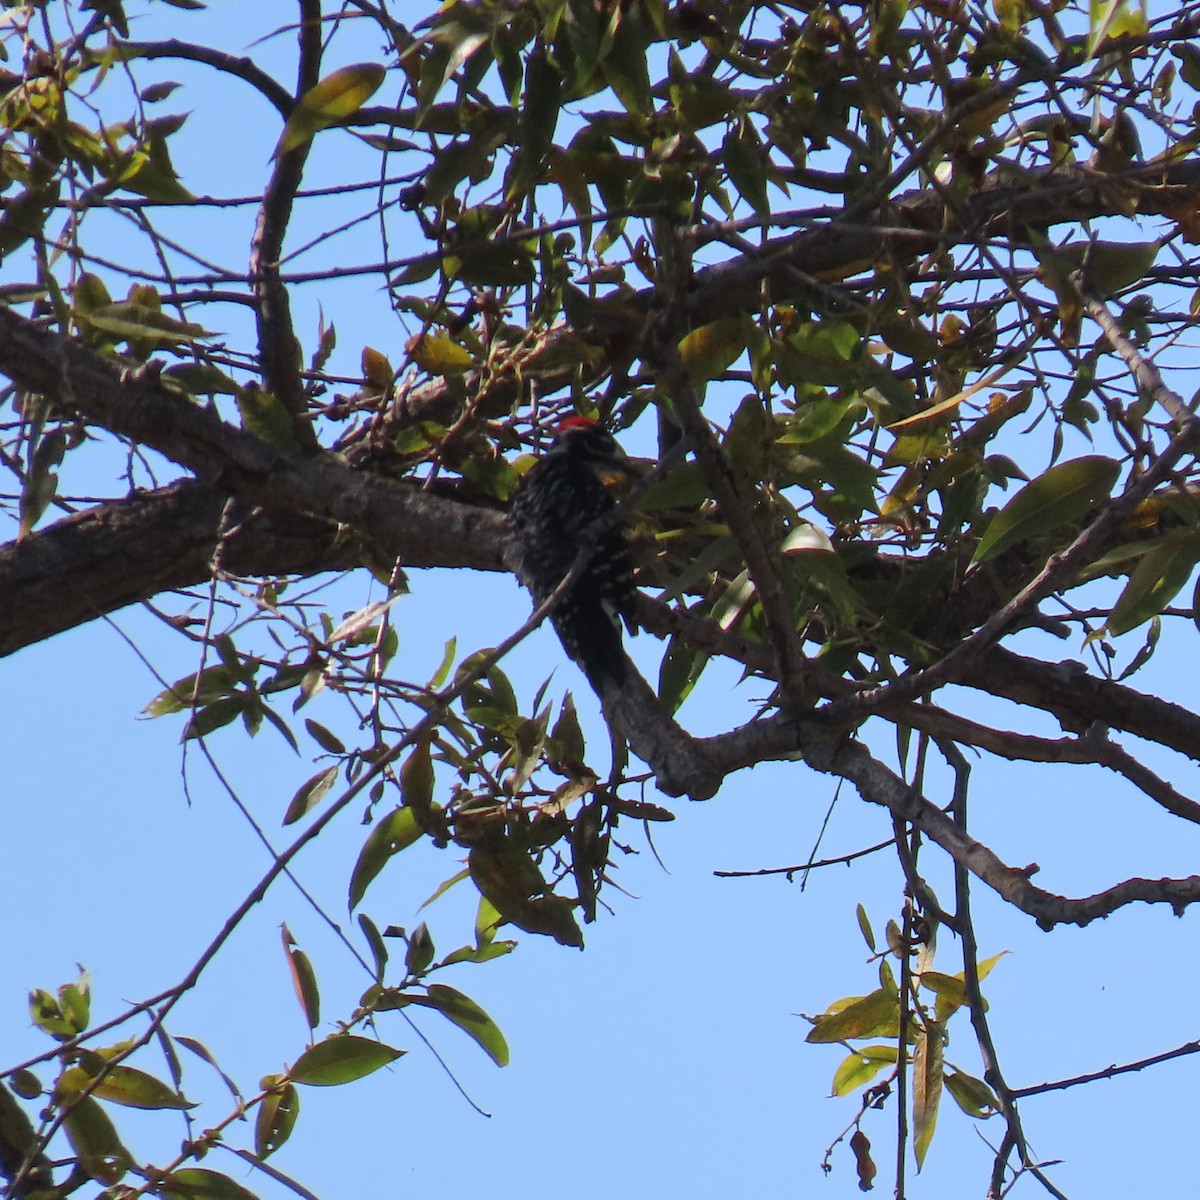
(1079, 700)
(129, 550)
(140, 408)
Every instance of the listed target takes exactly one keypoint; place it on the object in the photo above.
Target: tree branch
(278, 349)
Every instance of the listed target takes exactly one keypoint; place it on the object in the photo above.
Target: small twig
(841, 860)
(1110, 1072)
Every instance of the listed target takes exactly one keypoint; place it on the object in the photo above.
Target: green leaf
(1060, 496)
(1154, 582)
(94, 1139)
(325, 738)
(41, 482)
(443, 887)
(508, 877)
(216, 716)
(864, 926)
(479, 954)
(336, 97)
(709, 351)
(133, 322)
(859, 1067)
(397, 831)
(151, 173)
(1113, 19)
(377, 369)
(681, 668)
(65, 1017)
(875, 1015)
(341, 1058)
(132, 1088)
(310, 794)
(469, 1017)
(566, 738)
(265, 416)
(201, 1051)
(420, 950)
(379, 950)
(439, 676)
(538, 119)
(746, 160)
(626, 68)
(17, 1136)
(211, 684)
(200, 379)
(972, 1095)
(199, 1183)
(275, 1119)
(416, 782)
(1109, 266)
(26, 1084)
(304, 980)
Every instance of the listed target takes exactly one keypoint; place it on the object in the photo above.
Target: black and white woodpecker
(564, 494)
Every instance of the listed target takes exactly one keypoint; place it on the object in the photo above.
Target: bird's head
(587, 442)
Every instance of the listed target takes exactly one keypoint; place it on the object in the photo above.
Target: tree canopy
(890, 303)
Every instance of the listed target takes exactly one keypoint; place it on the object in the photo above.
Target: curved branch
(241, 68)
(1078, 700)
(278, 350)
(879, 785)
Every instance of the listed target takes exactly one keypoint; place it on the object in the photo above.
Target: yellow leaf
(927, 1087)
(709, 350)
(376, 369)
(336, 97)
(439, 355)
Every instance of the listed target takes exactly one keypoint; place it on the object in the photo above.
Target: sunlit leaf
(1155, 581)
(336, 97)
(927, 1087)
(869, 1016)
(859, 1067)
(1058, 497)
(864, 927)
(439, 355)
(708, 351)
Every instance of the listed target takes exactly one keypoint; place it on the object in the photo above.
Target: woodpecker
(561, 497)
